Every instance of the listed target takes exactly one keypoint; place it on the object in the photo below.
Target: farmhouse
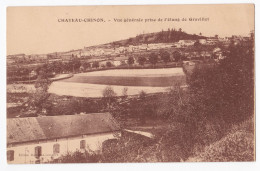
(202, 41)
(42, 139)
(212, 40)
(116, 62)
(186, 42)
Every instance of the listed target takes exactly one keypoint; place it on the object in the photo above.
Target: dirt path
(146, 134)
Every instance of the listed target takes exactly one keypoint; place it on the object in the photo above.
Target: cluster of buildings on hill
(118, 55)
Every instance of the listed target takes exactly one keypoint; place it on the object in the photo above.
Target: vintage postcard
(138, 83)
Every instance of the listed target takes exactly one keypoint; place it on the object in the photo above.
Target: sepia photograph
(130, 84)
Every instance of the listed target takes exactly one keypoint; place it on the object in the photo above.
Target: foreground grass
(237, 145)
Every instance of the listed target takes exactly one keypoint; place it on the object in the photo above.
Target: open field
(83, 89)
(138, 77)
(92, 84)
(128, 81)
(95, 90)
(162, 72)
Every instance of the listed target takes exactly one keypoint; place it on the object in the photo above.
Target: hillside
(238, 145)
(168, 36)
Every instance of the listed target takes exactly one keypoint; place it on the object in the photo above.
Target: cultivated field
(162, 72)
(128, 81)
(138, 77)
(92, 84)
(95, 90)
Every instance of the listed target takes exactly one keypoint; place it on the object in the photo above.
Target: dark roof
(52, 127)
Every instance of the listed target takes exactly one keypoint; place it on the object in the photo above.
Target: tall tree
(176, 56)
(109, 96)
(40, 98)
(108, 64)
(141, 60)
(95, 64)
(76, 64)
(153, 58)
(130, 60)
(124, 93)
(165, 57)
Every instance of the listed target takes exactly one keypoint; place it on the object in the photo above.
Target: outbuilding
(44, 139)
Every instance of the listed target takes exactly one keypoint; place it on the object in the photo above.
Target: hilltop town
(170, 47)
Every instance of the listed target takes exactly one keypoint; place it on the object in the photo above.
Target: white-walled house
(116, 62)
(202, 41)
(43, 139)
(186, 42)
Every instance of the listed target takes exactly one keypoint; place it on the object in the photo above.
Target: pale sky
(36, 30)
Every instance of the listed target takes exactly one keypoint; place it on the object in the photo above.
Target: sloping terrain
(238, 145)
(168, 36)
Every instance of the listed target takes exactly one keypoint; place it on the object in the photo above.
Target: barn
(44, 139)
